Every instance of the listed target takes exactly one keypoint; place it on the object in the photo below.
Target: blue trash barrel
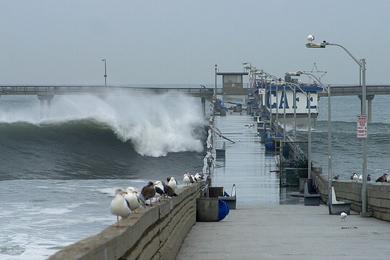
(223, 210)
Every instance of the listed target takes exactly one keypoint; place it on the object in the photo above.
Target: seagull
(354, 176)
(148, 192)
(336, 177)
(360, 177)
(343, 216)
(119, 205)
(132, 199)
(172, 183)
(382, 178)
(159, 187)
(169, 191)
(198, 177)
(192, 178)
(186, 179)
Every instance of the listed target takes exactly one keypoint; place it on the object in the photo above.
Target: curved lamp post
(330, 173)
(296, 86)
(105, 71)
(362, 76)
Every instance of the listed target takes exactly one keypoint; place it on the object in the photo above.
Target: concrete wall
(154, 233)
(378, 195)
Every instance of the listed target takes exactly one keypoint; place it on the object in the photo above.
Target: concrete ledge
(154, 233)
(378, 195)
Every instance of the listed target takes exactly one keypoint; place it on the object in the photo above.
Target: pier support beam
(203, 106)
(369, 106)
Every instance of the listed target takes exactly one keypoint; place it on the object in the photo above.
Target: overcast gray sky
(179, 41)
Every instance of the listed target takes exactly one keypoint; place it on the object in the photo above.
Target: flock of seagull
(358, 177)
(131, 200)
(355, 177)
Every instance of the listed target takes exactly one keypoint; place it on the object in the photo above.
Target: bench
(339, 206)
(310, 195)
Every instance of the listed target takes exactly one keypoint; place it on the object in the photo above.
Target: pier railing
(155, 233)
(378, 195)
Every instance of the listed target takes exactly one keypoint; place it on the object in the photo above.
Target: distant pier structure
(234, 91)
(46, 93)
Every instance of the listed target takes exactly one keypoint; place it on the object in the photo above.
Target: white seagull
(132, 199)
(186, 179)
(343, 216)
(172, 183)
(119, 206)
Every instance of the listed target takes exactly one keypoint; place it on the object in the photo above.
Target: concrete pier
(246, 163)
(288, 232)
(152, 233)
(268, 222)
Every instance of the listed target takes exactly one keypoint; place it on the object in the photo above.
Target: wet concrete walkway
(264, 226)
(246, 163)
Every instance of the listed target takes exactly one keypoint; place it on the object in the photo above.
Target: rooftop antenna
(315, 70)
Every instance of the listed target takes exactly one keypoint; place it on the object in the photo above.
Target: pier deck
(268, 224)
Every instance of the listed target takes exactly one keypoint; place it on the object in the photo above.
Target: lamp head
(316, 45)
(310, 37)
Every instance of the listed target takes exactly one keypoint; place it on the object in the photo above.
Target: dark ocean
(59, 167)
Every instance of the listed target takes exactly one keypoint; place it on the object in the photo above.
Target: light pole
(269, 97)
(215, 80)
(308, 126)
(295, 112)
(330, 173)
(105, 72)
(362, 76)
(284, 114)
(277, 107)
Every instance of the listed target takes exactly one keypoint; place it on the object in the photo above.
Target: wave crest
(154, 124)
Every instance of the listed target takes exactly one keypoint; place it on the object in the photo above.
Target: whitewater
(61, 166)
(155, 124)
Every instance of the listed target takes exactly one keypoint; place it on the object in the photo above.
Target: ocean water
(347, 149)
(59, 167)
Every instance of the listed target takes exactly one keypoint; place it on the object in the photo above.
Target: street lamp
(284, 114)
(362, 76)
(215, 80)
(330, 174)
(105, 72)
(308, 125)
(277, 107)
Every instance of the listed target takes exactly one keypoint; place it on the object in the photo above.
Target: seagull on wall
(119, 206)
(148, 192)
(343, 216)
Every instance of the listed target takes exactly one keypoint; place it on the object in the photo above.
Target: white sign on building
(287, 99)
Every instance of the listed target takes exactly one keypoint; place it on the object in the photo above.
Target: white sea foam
(55, 211)
(154, 124)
